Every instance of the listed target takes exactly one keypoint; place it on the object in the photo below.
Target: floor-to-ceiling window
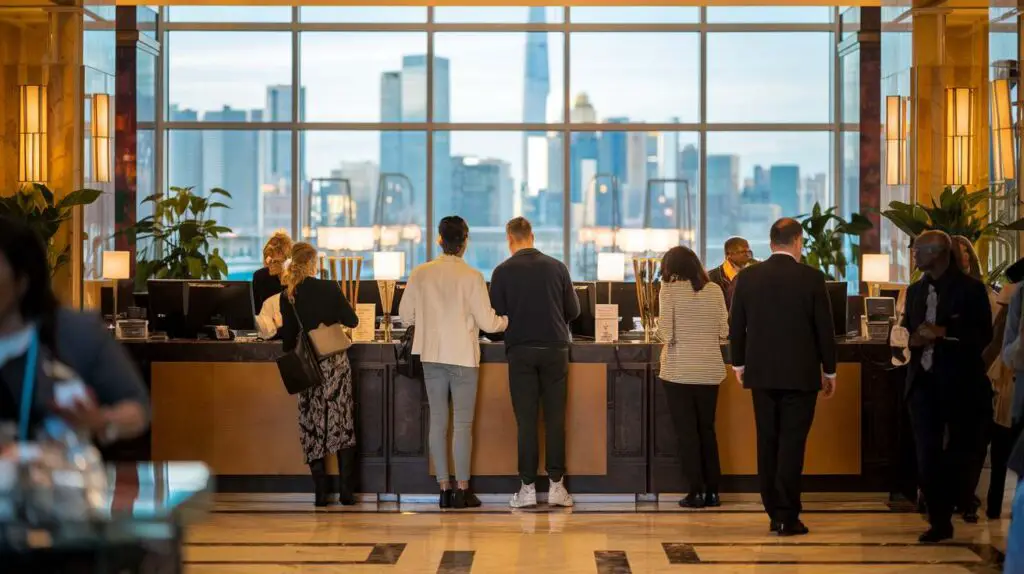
(610, 128)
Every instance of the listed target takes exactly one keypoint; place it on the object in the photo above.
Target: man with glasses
(737, 256)
(949, 322)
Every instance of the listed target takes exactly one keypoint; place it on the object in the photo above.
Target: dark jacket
(780, 326)
(964, 310)
(319, 302)
(536, 293)
(264, 286)
(718, 277)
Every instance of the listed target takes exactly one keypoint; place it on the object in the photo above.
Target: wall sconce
(1003, 157)
(897, 126)
(32, 165)
(101, 138)
(959, 135)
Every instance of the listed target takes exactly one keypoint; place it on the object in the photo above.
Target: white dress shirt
(269, 320)
(447, 301)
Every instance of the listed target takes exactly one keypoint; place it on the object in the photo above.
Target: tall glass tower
(536, 88)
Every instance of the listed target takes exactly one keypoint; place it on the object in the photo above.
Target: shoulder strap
(295, 312)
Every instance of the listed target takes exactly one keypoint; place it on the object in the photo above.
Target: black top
(536, 293)
(264, 286)
(718, 277)
(963, 309)
(780, 326)
(319, 302)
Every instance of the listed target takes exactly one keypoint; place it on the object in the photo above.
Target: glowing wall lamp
(897, 124)
(1003, 156)
(959, 135)
(32, 135)
(101, 138)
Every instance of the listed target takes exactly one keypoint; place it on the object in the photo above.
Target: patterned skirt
(326, 412)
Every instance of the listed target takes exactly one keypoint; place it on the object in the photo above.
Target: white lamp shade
(611, 267)
(117, 264)
(875, 268)
(388, 265)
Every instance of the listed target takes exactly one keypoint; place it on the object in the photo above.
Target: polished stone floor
(850, 533)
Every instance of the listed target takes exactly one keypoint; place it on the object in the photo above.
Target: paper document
(367, 313)
(606, 323)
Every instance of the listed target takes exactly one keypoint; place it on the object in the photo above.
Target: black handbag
(406, 363)
(300, 368)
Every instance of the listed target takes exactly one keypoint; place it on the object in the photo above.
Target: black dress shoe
(774, 526)
(693, 500)
(712, 500)
(994, 514)
(795, 528)
(936, 534)
(465, 499)
(971, 516)
(445, 500)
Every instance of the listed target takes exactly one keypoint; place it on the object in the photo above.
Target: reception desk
(223, 403)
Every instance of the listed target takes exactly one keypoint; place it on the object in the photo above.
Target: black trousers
(1003, 441)
(783, 419)
(537, 377)
(950, 426)
(693, 413)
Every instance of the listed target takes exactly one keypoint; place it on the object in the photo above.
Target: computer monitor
(837, 294)
(624, 295)
(370, 293)
(583, 326)
(210, 303)
(166, 307)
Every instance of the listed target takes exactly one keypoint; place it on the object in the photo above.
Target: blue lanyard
(28, 383)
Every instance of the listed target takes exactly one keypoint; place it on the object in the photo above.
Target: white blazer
(269, 320)
(447, 301)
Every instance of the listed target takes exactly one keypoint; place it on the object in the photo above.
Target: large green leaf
(79, 197)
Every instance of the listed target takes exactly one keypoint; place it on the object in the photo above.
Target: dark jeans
(1003, 440)
(946, 465)
(537, 376)
(783, 419)
(693, 414)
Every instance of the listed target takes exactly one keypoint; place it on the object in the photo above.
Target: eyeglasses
(747, 252)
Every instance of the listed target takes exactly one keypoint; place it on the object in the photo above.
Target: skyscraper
(583, 152)
(536, 89)
(723, 181)
(230, 160)
(186, 151)
(612, 155)
(785, 188)
(276, 161)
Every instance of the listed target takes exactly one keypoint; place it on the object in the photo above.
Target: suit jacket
(718, 277)
(964, 310)
(780, 326)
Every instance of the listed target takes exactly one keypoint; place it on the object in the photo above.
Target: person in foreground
(784, 350)
(326, 411)
(737, 257)
(693, 324)
(1014, 563)
(446, 300)
(1004, 439)
(949, 322)
(536, 293)
(70, 347)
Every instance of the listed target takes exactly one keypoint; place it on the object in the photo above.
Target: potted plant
(826, 233)
(177, 236)
(36, 205)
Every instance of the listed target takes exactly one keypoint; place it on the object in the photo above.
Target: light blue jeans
(442, 379)
(1015, 539)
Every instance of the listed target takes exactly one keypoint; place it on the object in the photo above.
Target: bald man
(949, 320)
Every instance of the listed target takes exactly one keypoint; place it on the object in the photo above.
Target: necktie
(928, 357)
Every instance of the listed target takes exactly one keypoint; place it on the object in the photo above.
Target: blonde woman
(266, 281)
(326, 412)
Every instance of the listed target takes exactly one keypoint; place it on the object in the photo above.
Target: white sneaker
(558, 495)
(525, 498)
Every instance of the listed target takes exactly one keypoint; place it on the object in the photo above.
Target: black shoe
(693, 500)
(465, 499)
(319, 471)
(712, 500)
(445, 500)
(347, 471)
(774, 526)
(971, 516)
(994, 513)
(795, 528)
(936, 534)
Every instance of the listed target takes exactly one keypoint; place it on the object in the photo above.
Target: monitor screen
(370, 293)
(583, 326)
(166, 307)
(219, 303)
(624, 295)
(837, 295)
(879, 309)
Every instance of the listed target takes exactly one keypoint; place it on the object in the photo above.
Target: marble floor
(850, 534)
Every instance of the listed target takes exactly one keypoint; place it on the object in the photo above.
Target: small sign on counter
(606, 323)
(367, 313)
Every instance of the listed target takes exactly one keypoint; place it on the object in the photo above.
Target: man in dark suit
(784, 351)
(949, 322)
(737, 256)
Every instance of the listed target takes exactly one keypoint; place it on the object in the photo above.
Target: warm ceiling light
(32, 135)
(1004, 159)
(959, 135)
(897, 122)
(101, 138)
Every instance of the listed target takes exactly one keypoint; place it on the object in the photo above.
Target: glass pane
(635, 192)
(365, 191)
(498, 77)
(608, 68)
(485, 178)
(770, 14)
(634, 15)
(849, 194)
(229, 14)
(145, 86)
(255, 167)
(342, 14)
(363, 76)
(850, 107)
(787, 73)
(229, 76)
(499, 14)
(754, 178)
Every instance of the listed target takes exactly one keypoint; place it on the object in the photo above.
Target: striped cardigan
(693, 326)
